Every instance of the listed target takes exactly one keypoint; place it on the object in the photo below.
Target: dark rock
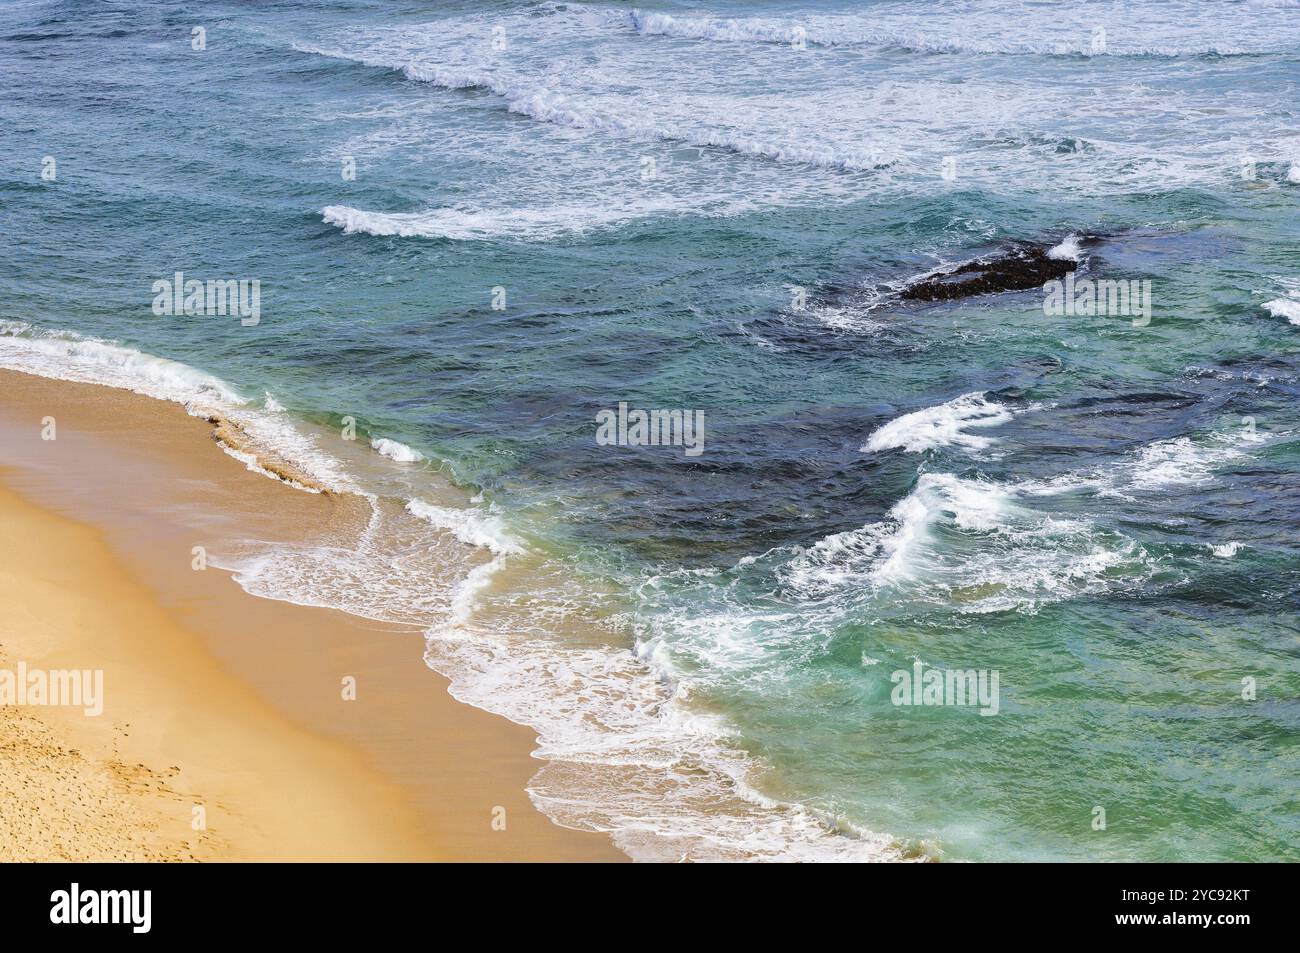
(1022, 266)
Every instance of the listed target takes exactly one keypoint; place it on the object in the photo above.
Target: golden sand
(225, 734)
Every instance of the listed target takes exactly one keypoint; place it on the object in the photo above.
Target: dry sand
(215, 699)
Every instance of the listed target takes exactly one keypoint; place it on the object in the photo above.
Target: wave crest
(830, 31)
(546, 105)
(941, 426)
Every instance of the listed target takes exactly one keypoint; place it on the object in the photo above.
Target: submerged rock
(1022, 266)
(230, 434)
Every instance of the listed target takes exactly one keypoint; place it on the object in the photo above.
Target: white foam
(399, 570)
(473, 526)
(1183, 461)
(68, 356)
(485, 224)
(1288, 305)
(986, 546)
(941, 426)
(622, 748)
(437, 75)
(933, 36)
(551, 106)
(64, 355)
(353, 221)
(581, 68)
(700, 28)
(623, 752)
(970, 545)
(1068, 250)
(1288, 308)
(395, 451)
(963, 545)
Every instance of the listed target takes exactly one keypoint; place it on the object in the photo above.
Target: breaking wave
(828, 31)
(941, 426)
(549, 106)
(1287, 306)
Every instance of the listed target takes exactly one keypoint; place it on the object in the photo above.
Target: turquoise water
(1102, 512)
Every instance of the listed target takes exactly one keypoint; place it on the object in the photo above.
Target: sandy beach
(227, 730)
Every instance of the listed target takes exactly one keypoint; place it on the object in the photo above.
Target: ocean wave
(825, 31)
(68, 356)
(395, 451)
(438, 76)
(623, 749)
(474, 527)
(549, 106)
(490, 224)
(1161, 465)
(388, 566)
(982, 545)
(625, 753)
(1287, 306)
(264, 439)
(974, 546)
(699, 28)
(1182, 461)
(942, 426)
(560, 109)
(1069, 249)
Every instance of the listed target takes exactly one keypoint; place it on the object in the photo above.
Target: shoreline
(217, 698)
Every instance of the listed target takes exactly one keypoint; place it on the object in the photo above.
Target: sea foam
(551, 106)
(941, 426)
(852, 30)
(395, 451)
(266, 433)
(1288, 308)
(1068, 250)
(973, 546)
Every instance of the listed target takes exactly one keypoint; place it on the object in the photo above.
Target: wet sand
(213, 698)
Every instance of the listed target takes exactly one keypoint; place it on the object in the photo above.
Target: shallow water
(1101, 511)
